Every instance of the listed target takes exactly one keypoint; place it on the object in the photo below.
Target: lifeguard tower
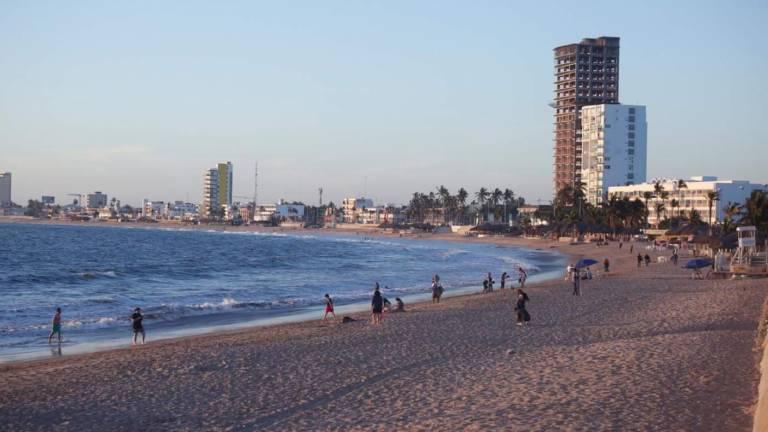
(747, 260)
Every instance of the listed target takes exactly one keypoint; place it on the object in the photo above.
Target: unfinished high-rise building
(586, 73)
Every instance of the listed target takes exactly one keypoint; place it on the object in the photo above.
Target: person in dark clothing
(522, 313)
(377, 306)
(576, 279)
(399, 305)
(490, 282)
(647, 260)
(485, 286)
(606, 265)
(503, 279)
(639, 260)
(138, 326)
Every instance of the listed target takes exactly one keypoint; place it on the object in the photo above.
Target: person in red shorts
(328, 307)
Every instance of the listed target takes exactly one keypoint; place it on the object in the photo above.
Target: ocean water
(193, 281)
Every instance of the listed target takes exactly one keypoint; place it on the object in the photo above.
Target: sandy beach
(641, 349)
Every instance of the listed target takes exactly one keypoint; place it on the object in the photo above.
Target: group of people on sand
(488, 281)
(136, 323)
(379, 305)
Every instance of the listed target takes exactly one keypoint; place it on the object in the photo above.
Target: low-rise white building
(614, 148)
(689, 195)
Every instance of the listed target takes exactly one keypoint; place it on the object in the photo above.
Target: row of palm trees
(440, 206)
(570, 207)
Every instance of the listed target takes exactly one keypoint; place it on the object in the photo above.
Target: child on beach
(328, 307)
(377, 305)
(399, 305)
(138, 327)
(56, 325)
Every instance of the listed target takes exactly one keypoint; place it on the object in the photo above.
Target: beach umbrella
(697, 263)
(585, 262)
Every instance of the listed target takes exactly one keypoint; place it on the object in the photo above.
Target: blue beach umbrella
(585, 262)
(697, 263)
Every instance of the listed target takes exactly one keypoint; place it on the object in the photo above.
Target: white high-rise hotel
(614, 148)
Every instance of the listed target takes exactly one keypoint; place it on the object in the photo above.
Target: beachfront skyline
(383, 100)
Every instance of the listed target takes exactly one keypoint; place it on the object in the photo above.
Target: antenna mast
(255, 187)
(321, 196)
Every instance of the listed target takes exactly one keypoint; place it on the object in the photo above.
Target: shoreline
(300, 316)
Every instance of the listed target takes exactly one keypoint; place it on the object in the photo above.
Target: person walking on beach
(621, 243)
(523, 276)
(522, 313)
(490, 282)
(138, 327)
(639, 260)
(328, 307)
(503, 279)
(647, 260)
(377, 306)
(56, 325)
(576, 279)
(485, 286)
(437, 292)
(631, 249)
(606, 265)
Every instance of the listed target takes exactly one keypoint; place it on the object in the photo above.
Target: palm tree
(462, 196)
(664, 196)
(647, 197)
(482, 195)
(731, 211)
(509, 197)
(659, 208)
(674, 204)
(496, 196)
(442, 191)
(712, 197)
(755, 210)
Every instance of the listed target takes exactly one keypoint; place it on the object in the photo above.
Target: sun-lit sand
(642, 349)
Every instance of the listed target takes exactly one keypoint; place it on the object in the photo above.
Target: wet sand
(641, 349)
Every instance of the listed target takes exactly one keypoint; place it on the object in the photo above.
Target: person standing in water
(522, 313)
(328, 307)
(138, 326)
(56, 325)
(377, 306)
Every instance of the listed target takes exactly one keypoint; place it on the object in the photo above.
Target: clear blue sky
(138, 98)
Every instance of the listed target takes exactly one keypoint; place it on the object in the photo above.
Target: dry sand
(642, 349)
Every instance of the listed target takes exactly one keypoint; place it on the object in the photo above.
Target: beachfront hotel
(5, 189)
(586, 73)
(614, 148)
(689, 195)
